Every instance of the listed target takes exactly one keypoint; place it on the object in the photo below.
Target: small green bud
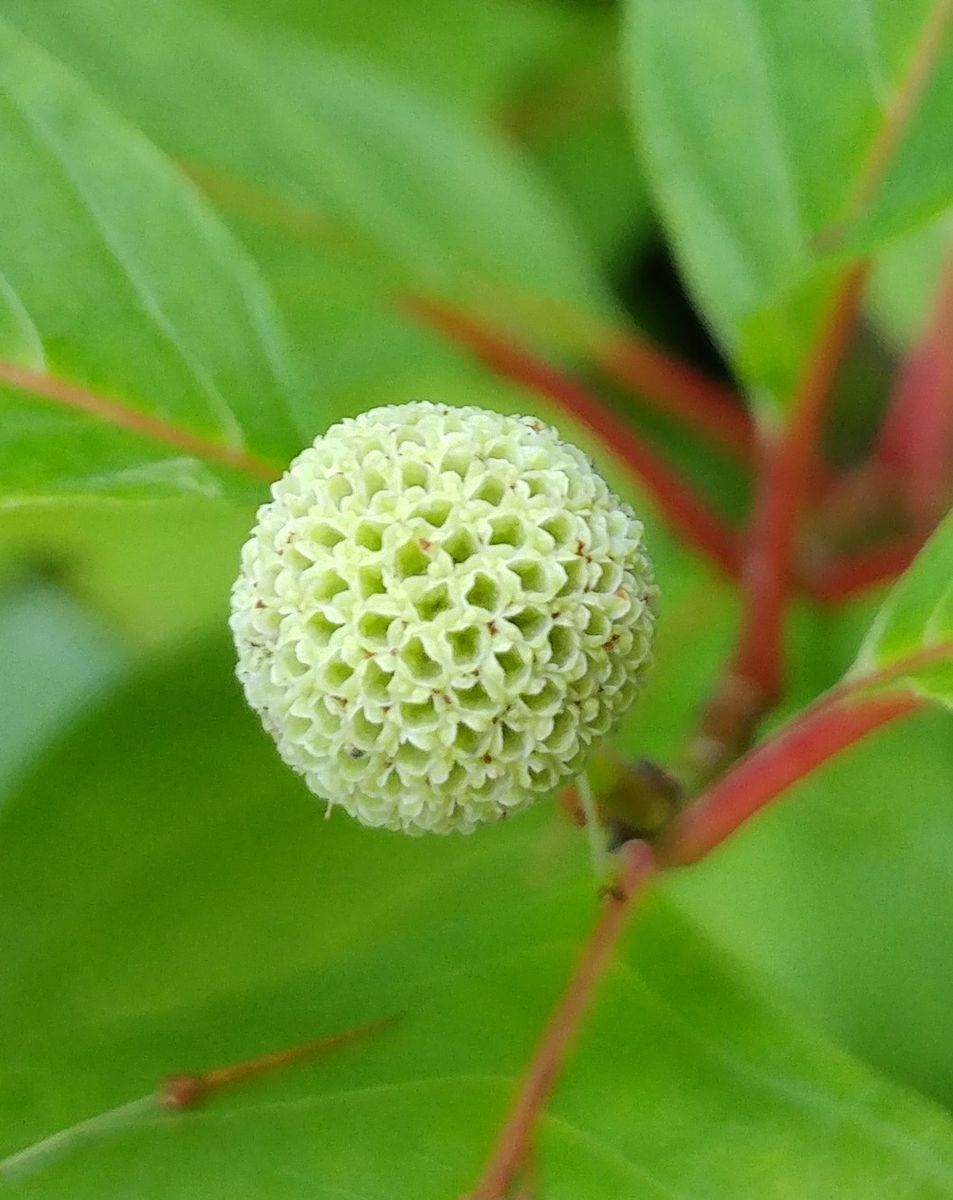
(440, 613)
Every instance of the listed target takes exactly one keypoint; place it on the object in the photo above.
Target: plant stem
(511, 1146)
(916, 441)
(683, 509)
(678, 390)
(770, 768)
(187, 1091)
(843, 717)
(598, 851)
(786, 473)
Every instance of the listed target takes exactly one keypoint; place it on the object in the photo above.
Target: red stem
(799, 748)
(787, 474)
(511, 1146)
(678, 390)
(685, 511)
(916, 442)
(836, 721)
(186, 1091)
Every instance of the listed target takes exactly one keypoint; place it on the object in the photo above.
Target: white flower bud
(439, 614)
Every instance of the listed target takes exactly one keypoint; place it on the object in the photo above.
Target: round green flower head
(439, 613)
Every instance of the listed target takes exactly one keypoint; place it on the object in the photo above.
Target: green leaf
(714, 1092)
(332, 146)
(838, 895)
(153, 362)
(768, 130)
(131, 562)
(903, 289)
(349, 188)
(182, 904)
(912, 635)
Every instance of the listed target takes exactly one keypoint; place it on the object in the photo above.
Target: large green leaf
(182, 903)
(839, 895)
(123, 289)
(372, 171)
(764, 125)
(912, 635)
(349, 188)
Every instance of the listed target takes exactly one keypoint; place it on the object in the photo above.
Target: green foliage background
(212, 213)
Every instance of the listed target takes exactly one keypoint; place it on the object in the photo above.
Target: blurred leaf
(572, 117)
(839, 894)
(323, 147)
(916, 622)
(131, 292)
(476, 55)
(904, 284)
(765, 138)
(158, 572)
(185, 905)
(349, 189)
(56, 659)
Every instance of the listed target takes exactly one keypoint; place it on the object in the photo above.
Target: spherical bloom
(439, 613)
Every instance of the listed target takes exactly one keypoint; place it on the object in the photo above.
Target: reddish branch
(661, 381)
(847, 713)
(843, 717)
(303, 223)
(187, 1091)
(771, 768)
(678, 390)
(786, 475)
(114, 412)
(512, 1145)
(685, 511)
(916, 442)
